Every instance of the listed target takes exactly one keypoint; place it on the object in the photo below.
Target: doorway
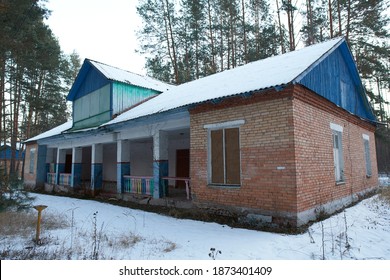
(182, 166)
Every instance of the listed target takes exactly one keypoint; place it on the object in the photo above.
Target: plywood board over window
(367, 154)
(217, 161)
(232, 152)
(225, 156)
(32, 161)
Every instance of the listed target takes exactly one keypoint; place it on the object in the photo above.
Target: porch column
(160, 162)
(51, 157)
(61, 157)
(123, 163)
(41, 166)
(76, 167)
(97, 167)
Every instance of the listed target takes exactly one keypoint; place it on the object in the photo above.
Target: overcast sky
(98, 29)
(102, 30)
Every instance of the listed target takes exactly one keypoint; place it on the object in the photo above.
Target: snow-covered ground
(384, 180)
(104, 231)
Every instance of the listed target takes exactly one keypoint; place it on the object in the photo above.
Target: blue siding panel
(6, 153)
(88, 80)
(335, 79)
(93, 81)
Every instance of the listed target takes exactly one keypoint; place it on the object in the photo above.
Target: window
(224, 153)
(337, 131)
(344, 92)
(32, 160)
(367, 157)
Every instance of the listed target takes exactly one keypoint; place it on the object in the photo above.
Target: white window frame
(338, 155)
(221, 126)
(367, 154)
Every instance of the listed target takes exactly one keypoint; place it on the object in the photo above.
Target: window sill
(217, 186)
(368, 176)
(338, 183)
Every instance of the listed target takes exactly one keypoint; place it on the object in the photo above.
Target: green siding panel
(92, 109)
(125, 96)
(92, 121)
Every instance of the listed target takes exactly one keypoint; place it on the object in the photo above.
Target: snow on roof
(52, 132)
(262, 74)
(120, 75)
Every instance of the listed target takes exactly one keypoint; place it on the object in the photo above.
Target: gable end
(336, 78)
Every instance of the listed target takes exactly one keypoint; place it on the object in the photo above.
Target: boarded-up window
(32, 161)
(217, 155)
(225, 156)
(367, 157)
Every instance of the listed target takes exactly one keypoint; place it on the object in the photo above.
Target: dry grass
(127, 241)
(23, 223)
(384, 194)
(169, 246)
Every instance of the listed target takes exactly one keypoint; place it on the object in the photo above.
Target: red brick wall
(266, 142)
(314, 151)
(30, 176)
(287, 162)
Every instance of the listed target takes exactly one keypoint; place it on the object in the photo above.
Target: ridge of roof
(258, 75)
(120, 75)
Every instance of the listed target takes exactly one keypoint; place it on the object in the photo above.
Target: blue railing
(51, 178)
(65, 179)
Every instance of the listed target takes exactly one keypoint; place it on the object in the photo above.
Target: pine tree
(365, 25)
(157, 36)
(314, 29)
(33, 80)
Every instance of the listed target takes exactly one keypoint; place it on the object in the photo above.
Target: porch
(156, 166)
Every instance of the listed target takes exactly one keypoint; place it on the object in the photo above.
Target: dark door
(182, 165)
(68, 164)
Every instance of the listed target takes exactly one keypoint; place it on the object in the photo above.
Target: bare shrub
(384, 194)
(128, 241)
(169, 246)
(23, 223)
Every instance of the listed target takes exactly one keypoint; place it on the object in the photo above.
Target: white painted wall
(141, 159)
(109, 162)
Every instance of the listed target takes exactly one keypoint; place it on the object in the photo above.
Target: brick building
(279, 141)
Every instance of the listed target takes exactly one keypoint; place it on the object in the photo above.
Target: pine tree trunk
(348, 20)
(381, 109)
(244, 31)
(339, 17)
(257, 26)
(213, 65)
(280, 28)
(221, 47)
(290, 20)
(309, 15)
(171, 41)
(231, 21)
(330, 18)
